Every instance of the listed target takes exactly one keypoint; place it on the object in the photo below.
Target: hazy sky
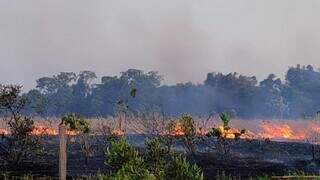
(183, 39)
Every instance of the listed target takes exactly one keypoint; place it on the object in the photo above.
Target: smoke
(183, 39)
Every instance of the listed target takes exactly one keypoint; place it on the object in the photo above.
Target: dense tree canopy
(295, 97)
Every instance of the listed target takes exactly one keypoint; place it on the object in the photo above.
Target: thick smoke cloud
(182, 39)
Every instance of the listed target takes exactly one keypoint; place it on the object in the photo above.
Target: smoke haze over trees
(296, 97)
(42, 37)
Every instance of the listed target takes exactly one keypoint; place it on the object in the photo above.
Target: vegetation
(179, 168)
(81, 126)
(121, 153)
(223, 141)
(127, 163)
(244, 96)
(190, 133)
(76, 123)
(20, 145)
(156, 156)
(76, 93)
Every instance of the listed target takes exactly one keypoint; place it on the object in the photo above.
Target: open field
(247, 158)
(273, 148)
(274, 129)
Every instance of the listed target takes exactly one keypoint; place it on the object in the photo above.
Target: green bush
(76, 123)
(129, 172)
(225, 118)
(133, 172)
(127, 164)
(121, 153)
(179, 168)
(156, 155)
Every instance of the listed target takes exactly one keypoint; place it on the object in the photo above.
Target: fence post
(62, 153)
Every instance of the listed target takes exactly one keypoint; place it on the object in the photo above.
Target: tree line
(297, 96)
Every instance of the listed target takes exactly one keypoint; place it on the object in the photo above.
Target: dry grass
(291, 130)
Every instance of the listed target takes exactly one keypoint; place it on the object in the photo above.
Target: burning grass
(254, 156)
(277, 130)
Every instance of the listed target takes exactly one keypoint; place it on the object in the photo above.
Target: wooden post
(62, 153)
(318, 116)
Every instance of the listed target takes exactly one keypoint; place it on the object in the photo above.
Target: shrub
(179, 168)
(80, 125)
(225, 118)
(126, 162)
(86, 146)
(128, 165)
(223, 143)
(190, 133)
(20, 145)
(76, 123)
(133, 172)
(168, 139)
(121, 153)
(156, 156)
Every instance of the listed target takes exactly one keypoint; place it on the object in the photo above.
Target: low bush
(156, 156)
(157, 164)
(225, 135)
(190, 133)
(121, 153)
(179, 168)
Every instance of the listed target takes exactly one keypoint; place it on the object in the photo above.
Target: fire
(43, 130)
(281, 131)
(3, 132)
(201, 131)
(118, 132)
(176, 130)
(233, 133)
(314, 127)
(255, 129)
(72, 133)
(226, 133)
(248, 135)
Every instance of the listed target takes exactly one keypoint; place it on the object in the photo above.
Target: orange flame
(281, 131)
(233, 133)
(43, 130)
(72, 133)
(3, 132)
(274, 130)
(314, 127)
(201, 132)
(118, 132)
(176, 130)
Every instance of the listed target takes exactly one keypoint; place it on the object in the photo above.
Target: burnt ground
(247, 158)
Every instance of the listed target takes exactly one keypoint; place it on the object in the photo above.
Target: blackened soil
(246, 158)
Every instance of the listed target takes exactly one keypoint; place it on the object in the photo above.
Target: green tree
(20, 145)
